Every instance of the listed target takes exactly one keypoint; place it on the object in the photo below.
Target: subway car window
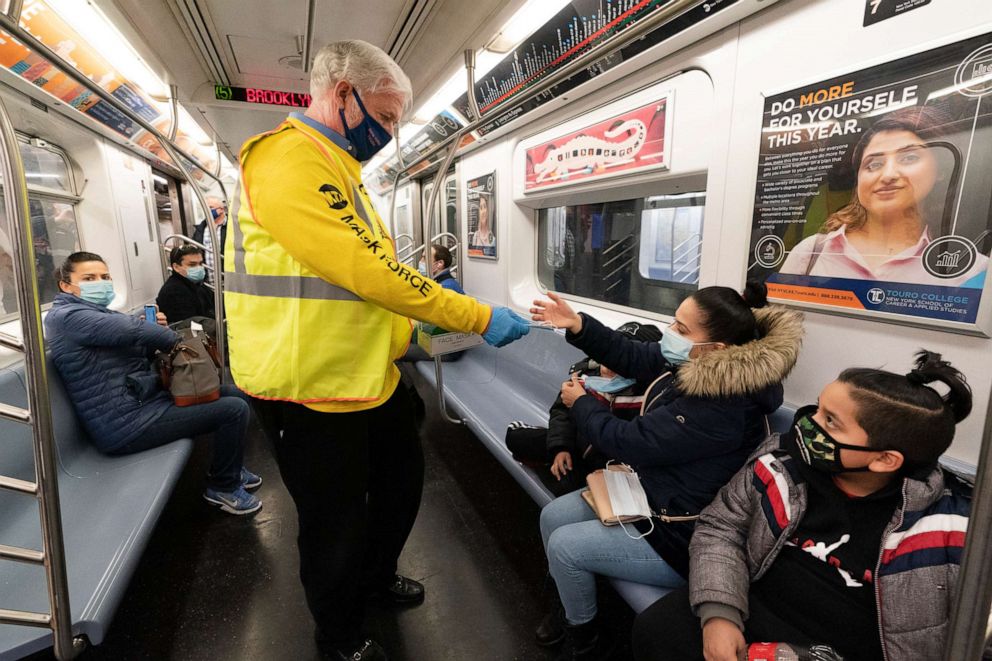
(641, 253)
(53, 223)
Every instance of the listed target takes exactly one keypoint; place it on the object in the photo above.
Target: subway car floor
(213, 586)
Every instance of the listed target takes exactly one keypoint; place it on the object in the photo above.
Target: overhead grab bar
(12, 25)
(308, 36)
(662, 16)
(174, 109)
(15, 205)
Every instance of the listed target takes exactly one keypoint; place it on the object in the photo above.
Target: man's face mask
(98, 292)
(369, 136)
(819, 449)
(196, 273)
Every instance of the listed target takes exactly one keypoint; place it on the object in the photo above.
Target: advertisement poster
(631, 142)
(874, 189)
(49, 28)
(481, 199)
(579, 27)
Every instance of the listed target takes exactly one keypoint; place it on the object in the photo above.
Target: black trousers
(356, 479)
(667, 630)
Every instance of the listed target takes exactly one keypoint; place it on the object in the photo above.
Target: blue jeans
(227, 416)
(578, 547)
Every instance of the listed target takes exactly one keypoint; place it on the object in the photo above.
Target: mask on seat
(98, 292)
(369, 136)
(608, 386)
(196, 273)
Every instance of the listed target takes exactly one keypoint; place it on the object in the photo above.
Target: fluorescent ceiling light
(522, 24)
(455, 86)
(192, 129)
(101, 35)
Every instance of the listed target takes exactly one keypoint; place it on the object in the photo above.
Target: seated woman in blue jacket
(715, 375)
(104, 356)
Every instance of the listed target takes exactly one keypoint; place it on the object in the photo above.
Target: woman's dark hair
(903, 413)
(442, 253)
(69, 265)
(177, 254)
(727, 315)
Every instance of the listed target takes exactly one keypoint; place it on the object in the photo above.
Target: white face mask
(627, 497)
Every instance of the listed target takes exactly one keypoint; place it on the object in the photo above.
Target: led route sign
(258, 95)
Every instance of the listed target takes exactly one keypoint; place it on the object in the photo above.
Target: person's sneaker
(402, 592)
(249, 480)
(238, 502)
(367, 651)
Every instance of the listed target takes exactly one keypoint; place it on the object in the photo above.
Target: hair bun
(755, 294)
(932, 368)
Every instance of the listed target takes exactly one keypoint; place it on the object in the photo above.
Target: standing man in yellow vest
(318, 309)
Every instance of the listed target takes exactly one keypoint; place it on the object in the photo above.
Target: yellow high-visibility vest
(317, 304)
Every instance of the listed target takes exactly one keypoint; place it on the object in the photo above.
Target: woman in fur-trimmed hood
(715, 375)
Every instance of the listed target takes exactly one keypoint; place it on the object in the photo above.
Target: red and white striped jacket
(742, 532)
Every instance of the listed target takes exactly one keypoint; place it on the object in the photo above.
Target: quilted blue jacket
(103, 359)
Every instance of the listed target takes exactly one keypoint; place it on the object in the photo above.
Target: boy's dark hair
(727, 315)
(177, 254)
(642, 332)
(442, 253)
(903, 413)
(68, 266)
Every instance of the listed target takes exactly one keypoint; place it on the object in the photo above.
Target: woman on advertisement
(883, 232)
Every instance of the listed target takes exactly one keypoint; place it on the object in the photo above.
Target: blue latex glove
(504, 327)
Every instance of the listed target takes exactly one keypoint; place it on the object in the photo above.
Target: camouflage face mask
(818, 448)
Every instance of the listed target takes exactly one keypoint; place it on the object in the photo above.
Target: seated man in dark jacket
(184, 295)
(103, 358)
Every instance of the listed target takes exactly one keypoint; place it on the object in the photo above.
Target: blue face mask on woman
(98, 292)
(196, 273)
(675, 348)
(369, 136)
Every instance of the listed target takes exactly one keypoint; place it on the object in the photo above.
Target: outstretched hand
(556, 312)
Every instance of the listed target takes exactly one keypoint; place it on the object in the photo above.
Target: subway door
(134, 206)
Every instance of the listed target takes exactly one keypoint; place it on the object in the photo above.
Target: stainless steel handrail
(15, 203)
(13, 26)
(403, 256)
(308, 35)
(174, 109)
(970, 617)
(218, 288)
(605, 49)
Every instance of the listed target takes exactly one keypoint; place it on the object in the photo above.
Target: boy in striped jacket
(843, 532)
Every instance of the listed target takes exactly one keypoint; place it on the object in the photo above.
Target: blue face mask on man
(369, 136)
(196, 273)
(98, 292)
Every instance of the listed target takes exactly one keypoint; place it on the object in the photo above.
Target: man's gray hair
(368, 68)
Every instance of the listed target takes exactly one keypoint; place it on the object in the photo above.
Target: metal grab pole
(14, 28)
(662, 16)
(969, 619)
(218, 267)
(16, 207)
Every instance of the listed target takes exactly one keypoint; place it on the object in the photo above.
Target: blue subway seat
(489, 388)
(110, 506)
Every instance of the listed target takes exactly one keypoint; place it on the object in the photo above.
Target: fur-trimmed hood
(747, 368)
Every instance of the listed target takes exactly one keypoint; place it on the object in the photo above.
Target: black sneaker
(367, 651)
(402, 592)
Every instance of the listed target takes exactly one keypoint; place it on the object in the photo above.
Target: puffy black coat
(700, 421)
(180, 298)
(103, 359)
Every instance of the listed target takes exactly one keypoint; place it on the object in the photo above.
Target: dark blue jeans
(227, 416)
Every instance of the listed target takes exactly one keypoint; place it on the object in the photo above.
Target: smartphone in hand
(151, 314)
